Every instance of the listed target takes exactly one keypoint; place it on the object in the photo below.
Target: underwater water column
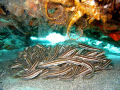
(43, 30)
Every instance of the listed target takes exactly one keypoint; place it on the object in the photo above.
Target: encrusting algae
(61, 12)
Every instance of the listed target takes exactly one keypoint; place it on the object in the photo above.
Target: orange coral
(79, 8)
(115, 35)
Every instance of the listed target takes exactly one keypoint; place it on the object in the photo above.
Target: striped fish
(33, 56)
(42, 53)
(86, 58)
(105, 63)
(29, 51)
(54, 69)
(71, 74)
(58, 68)
(41, 47)
(90, 69)
(60, 72)
(61, 50)
(28, 61)
(92, 53)
(88, 74)
(16, 65)
(32, 74)
(84, 72)
(67, 76)
(56, 49)
(33, 67)
(88, 47)
(99, 54)
(49, 53)
(81, 71)
(53, 63)
(67, 53)
(80, 51)
(73, 54)
(102, 57)
(44, 72)
(82, 63)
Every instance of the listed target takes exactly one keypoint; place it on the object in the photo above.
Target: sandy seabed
(105, 80)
